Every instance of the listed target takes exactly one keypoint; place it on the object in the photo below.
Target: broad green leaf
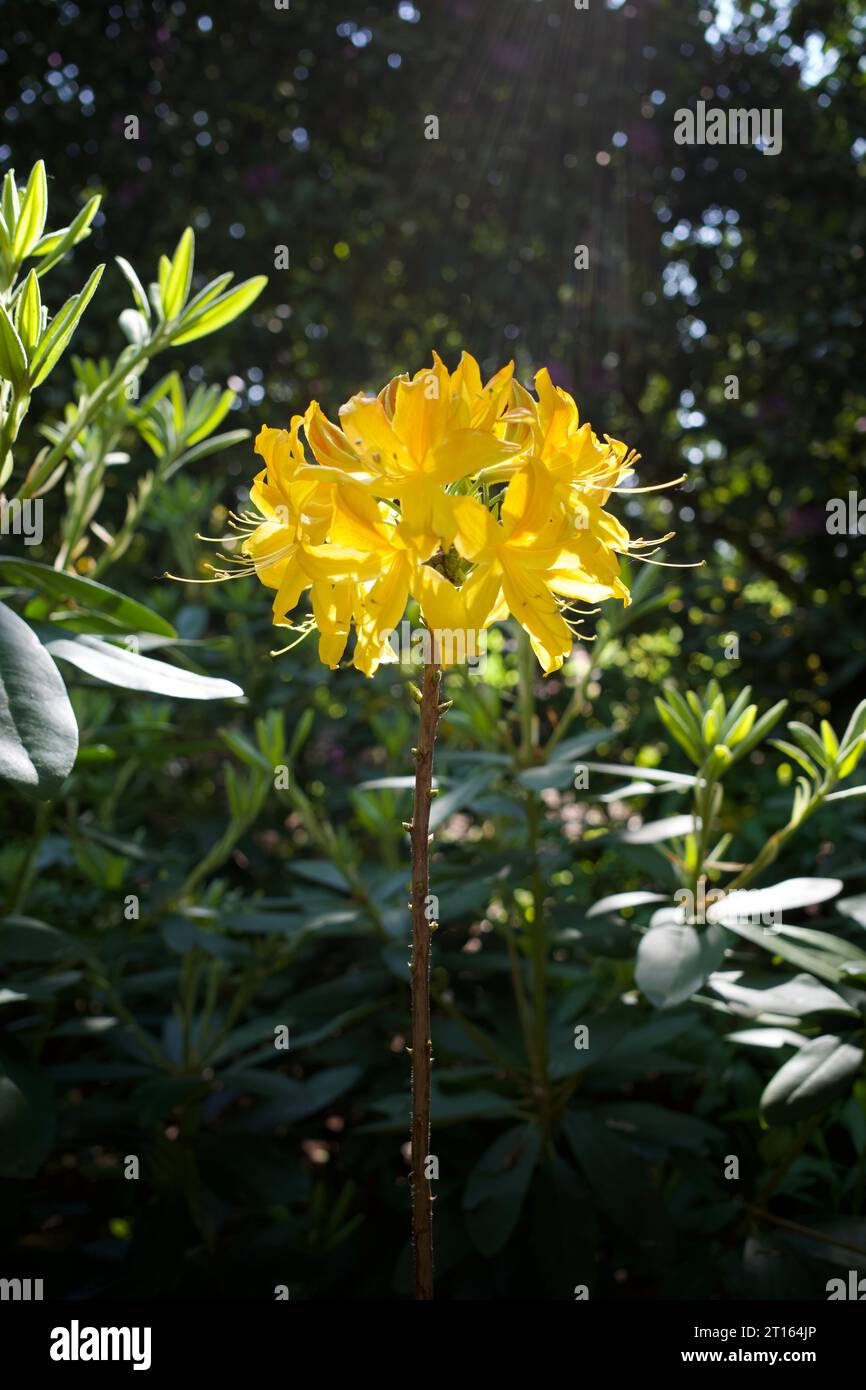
(38, 732)
(767, 1037)
(34, 209)
(126, 613)
(618, 1178)
(771, 939)
(26, 1113)
(221, 311)
(670, 1128)
(176, 288)
(821, 1070)
(617, 901)
(25, 938)
(115, 666)
(854, 907)
(461, 796)
(646, 774)
(757, 904)
(673, 961)
(795, 998)
(496, 1189)
(657, 831)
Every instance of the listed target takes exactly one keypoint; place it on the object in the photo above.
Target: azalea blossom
(478, 500)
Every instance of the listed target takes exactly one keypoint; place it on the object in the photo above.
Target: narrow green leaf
(58, 333)
(798, 756)
(11, 206)
(126, 613)
(53, 247)
(808, 739)
(176, 288)
(13, 359)
(28, 313)
(34, 209)
(760, 730)
(221, 311)
(138, 292)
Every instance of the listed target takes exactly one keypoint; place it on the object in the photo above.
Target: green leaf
(646, 774)
(206, 447)
(809, 740)
(856, 727)
(60, 330)
(461, 796)
(847, 793)
(53, 246)
(138, 291)
(115, 666)
(220, 312)
(811, 1079)
(767, 1037)
(209, 412)
(28, 314)
(25, 938)
(13, 358)
(179, 278)
(655, 832)
(760, 730)
(757, 904)
(794, 998)
(497, 1187)
(38, 732)
(616, 1175)
(10, 204)
(773, 940)
(677, 728)
(674, 961)
(34, 209)
(163, 272)
(742, 728)
(126, 613)
(798, 756)
(616, 901)
(26, 1113)
(854, 907)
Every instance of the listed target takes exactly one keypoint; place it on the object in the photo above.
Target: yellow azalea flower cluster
(476, 500)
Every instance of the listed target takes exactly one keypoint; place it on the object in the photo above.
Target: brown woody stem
(422, 1201)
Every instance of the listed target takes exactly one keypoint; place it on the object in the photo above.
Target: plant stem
(538, 937)
(422, 1203)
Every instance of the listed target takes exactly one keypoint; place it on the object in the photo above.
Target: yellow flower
(476, 499)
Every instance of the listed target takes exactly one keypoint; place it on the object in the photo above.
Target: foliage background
(265, 128)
